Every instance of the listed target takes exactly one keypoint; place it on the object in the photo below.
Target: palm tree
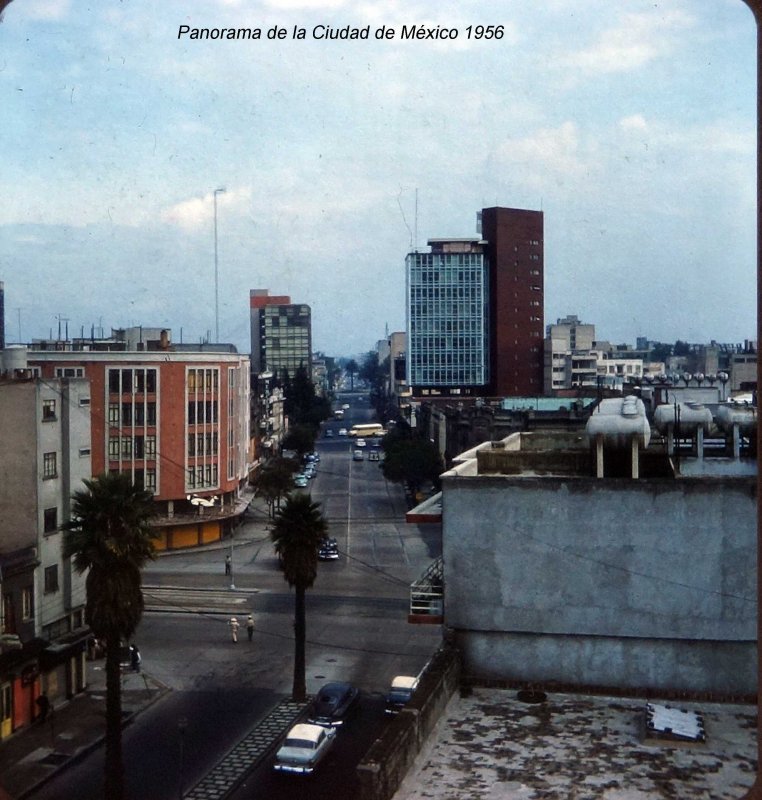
(110, 538)
(298, 528)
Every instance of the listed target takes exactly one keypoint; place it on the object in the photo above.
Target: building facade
(177, 423)
(281, 334)
(475, 310)
(555, 576)
(46, 454)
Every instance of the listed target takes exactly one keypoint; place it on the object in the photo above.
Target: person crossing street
(234, 625)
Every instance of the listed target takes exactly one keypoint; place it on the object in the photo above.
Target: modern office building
(281, 334)
(475, 310)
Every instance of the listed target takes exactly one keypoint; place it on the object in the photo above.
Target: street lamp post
(216, 274)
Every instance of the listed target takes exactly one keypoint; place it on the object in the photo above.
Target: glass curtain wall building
(448, 317)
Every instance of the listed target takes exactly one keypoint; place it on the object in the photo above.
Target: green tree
(275, 480)
(299, 526)
(300, 439)
(351, 369)
(109, 537)
(410, 459)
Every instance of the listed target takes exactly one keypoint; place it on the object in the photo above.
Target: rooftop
(491, 746)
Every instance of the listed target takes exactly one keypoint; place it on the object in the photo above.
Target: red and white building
(176, 421)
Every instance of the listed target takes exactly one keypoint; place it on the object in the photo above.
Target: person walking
(250, 626)
(234, 625)
(135, 658)
(228, 565)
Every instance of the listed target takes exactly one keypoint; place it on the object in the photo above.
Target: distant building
(475, 310)
(281, 334)
(46, 454)
(176, 422)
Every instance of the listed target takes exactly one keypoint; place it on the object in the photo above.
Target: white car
(304, 747)
(361, 443)
(343, 432)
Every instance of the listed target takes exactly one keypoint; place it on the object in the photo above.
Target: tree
(109, 537)
(298, 529)
(410, 459)
(351, 369)
(300, 439)
(274, 481)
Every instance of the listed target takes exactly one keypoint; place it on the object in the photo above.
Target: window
(84, 452)
(49, 465)
(70, 372)
(113, 413)
(150, 446)
(50, 519)
(27, 603)
(48, 410)
(51, 579)
(84, 401)
(150, 479)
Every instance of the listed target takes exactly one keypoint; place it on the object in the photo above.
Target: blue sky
(630, 124)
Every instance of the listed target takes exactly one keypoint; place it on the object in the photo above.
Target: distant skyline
(631, 125)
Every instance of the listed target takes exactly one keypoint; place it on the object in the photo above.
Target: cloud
(45, 9)
(635, 122)
(636, 41)
(196, 211)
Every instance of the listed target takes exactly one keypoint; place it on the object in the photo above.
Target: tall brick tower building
(514, 247)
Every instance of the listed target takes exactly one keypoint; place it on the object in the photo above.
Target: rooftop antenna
(415, 224)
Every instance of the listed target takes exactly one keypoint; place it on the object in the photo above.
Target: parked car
(343, 432)
(400, 692)
(374, 456)
(345, 406)
(357, 455)
(300, 480)
(309, 471)
(333, 704)
(304, 747)
(328, 550)
(329, 433)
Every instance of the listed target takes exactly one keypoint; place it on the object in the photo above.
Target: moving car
(333, 704)
(357, 455)
(374, 456)
(343, 432)
(304, 747)
(329, 434)
(300, 481)
(328, 550)
(361, 443)
(399, 694)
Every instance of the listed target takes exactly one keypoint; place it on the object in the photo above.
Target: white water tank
(744, 415)
(617, 420)
(14, 359)
(692, 417)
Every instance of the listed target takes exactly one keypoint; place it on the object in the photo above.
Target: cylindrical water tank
(692, 416)
(743, 415)
(14, 358)
(617, 419)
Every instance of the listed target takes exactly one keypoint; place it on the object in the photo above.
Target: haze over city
(631, 125)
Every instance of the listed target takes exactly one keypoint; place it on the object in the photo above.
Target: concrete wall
(391, 756)
(631, 584)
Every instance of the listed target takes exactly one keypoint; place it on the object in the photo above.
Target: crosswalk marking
(172, 598)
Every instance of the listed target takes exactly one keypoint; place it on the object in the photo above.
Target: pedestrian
(228, 565)
(234, 629)
(135, 658)
(44, 705)
(250, 626)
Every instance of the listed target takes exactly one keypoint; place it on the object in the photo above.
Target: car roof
(335, 686)
(404, 682)
(305, 731)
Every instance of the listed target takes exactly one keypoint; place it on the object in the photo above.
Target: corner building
(177, 423)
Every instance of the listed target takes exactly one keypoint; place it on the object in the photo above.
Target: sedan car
(343, 432)
(400, 692)
(304, 747)
(300, 481)
(361, 443)
(357, 455)
(333, 704)
(328, 550)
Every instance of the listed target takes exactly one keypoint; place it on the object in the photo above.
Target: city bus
(367, 429)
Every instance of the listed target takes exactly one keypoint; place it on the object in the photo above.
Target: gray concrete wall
(390, 757)
(632, 584)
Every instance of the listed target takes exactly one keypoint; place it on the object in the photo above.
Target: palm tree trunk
(299, 691)
(114, 775)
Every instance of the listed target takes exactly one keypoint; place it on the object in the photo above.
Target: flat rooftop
(491, 746)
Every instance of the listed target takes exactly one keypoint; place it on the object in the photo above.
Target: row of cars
(308, 743)
(309, 471)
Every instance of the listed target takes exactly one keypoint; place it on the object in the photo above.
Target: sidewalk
(33, 755)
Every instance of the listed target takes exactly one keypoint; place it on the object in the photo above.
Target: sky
(631, 125)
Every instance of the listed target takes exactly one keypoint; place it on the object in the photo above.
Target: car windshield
(400, 695)
(301, 744)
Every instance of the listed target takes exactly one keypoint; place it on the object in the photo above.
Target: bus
(367, 429)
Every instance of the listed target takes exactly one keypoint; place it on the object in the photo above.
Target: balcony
(427, 596)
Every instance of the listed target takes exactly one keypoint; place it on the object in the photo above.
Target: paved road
(356, 631)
